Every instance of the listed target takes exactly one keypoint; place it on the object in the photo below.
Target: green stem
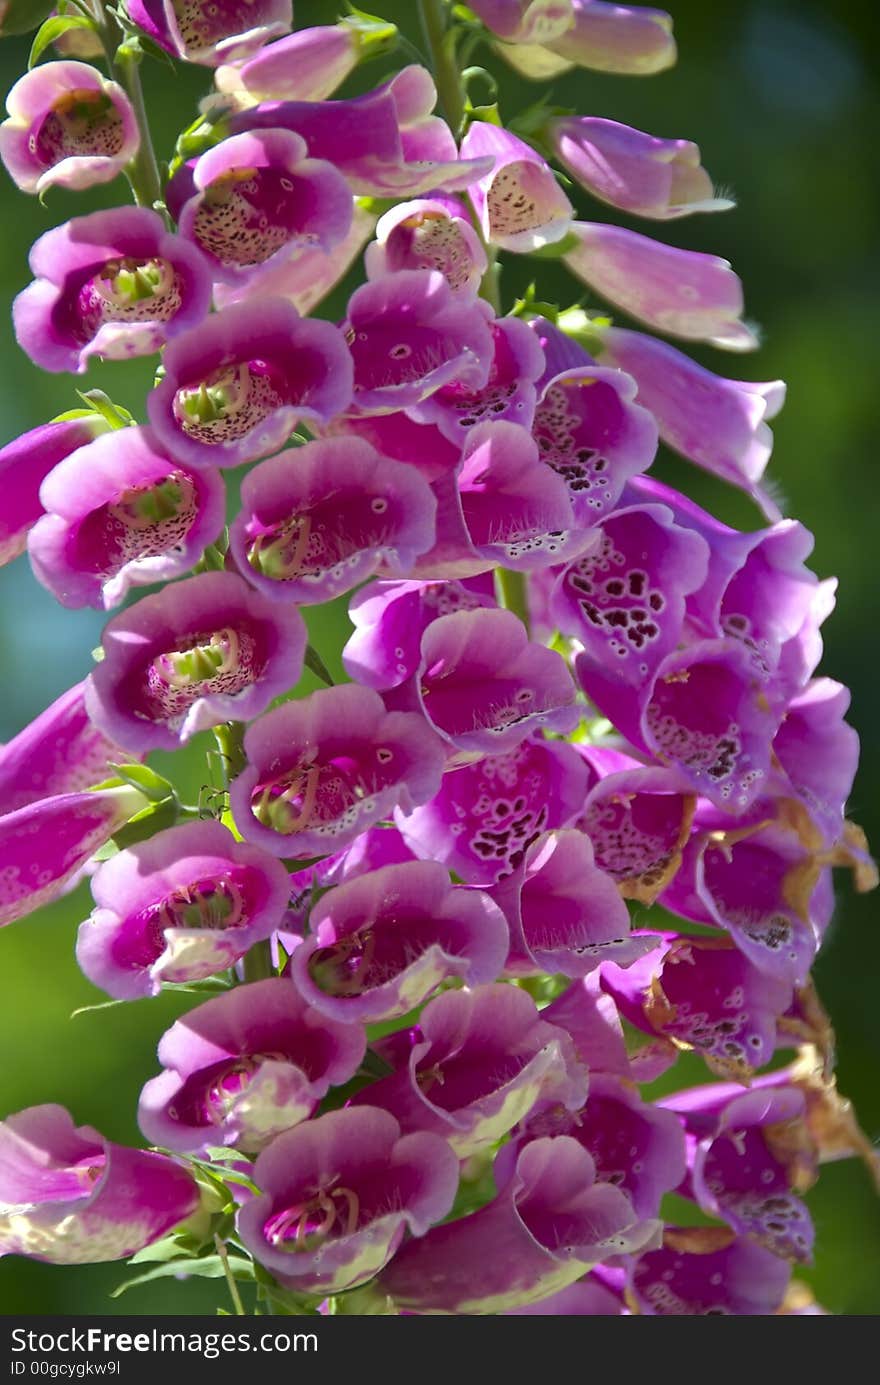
(230, 743)
(124, 62)
(441, 46)
(512, 595)
(490, 284)
(240, 1310)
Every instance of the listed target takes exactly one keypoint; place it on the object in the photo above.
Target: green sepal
(147, 780)
(52, 29)
(101, 403)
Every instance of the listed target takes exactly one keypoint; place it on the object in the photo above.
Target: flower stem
(511, 589)
(230, 743)
(257, 964)
(240, 1310)
(441, 46)
(124, 61)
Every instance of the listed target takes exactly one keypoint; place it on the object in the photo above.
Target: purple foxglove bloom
(308, 277)
(257, 199)
(565, 914)
(120, 513)
(235, 388)
(765, 888)
(679, 292)
(487, 814)
(372, 850)
(638, 818)
(380, 944)
(328, 766)
(60, 752)
(245, 1066)
(704, 1271)
(197, 653)
(45, 844)
(588, 1298)
(504, 507)
(718, 424)
(475, 1066)
(625, 598)
(114, 284)
(706, 715)
(519, 204)
(749, 1155)
(629, 40)
(70, 1197)
(591, 432)
(68, 126)
(549, 1224)
(591, 1020)
(525, 21)
(705, 995)
(24, 465)
(212, 31)
(658, 178)
(339, 1194)
(181, 906)
(433, 233)
(409, 334)
(422, 446)
(386, 143)
(637, 1147)
(312, 528)
(819, 752)
(484, 686)
(305, 66)
(389, 619)
(508, 394)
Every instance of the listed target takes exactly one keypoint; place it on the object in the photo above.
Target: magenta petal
(24, 465)
(700, 1272)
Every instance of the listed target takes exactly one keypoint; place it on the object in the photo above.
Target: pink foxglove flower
(212, 31)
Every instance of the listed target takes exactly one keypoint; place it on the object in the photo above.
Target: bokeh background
(783, 98)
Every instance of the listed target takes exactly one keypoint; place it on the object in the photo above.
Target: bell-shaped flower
(381, 943)
(199, 652)
(312, 528)
(306, 66)
(181, 906)
(211, 31)
(519, 204)
(509, 393)
(245, 1066)
(235, 388)
(120, 513)
(818, 753)
(338, 1195)
(24, 465)
(114, 284)
(69, 127)
(68, 1196)
(525, 21)
(629, 40)
(706, 1271)
(324, 768)
(430, 233)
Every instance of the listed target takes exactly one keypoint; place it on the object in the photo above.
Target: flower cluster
(571, 692)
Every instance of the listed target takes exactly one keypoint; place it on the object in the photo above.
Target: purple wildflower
(24, 465)
(212, 31)
(519, 204)
(431, 233)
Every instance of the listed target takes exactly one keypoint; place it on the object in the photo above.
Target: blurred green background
(784, 100)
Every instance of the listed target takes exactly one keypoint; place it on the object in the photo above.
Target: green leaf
(211, 1267)
(159, 1252)
(147, 780)
(102, 1005)
(54, 28)
(101, 403)
(558, 249)
(154, 818)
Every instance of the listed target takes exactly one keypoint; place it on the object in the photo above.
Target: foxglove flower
(245, 1066)
(818, 753)
(486, 815)
(120, 513)
(408, 335)
(719, 424)
(705, 1271)
(211, 31)
(235, 388)
(626, 39)
(704, 995)
(24, 465)
(310, 530)
(484, 686)
(590, 431)
(526, 21)
(422, 446)
(591, 1020)
(658, 178)
(68, 126)
(60, 752)
(45, 844)
(257, 199)
(475, 1066)
(431, 233)
(625, 598)
(589, 1297)
(68, 1196)
(548, 1225)
(203, 651)
(323, 769)
(338, 1195)
(565, 914)
(508, 394)
(389, 619)
(114, 284)
(306, 66)
(381, 943)
(181, 906)
(519, 204)
(679, 292)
